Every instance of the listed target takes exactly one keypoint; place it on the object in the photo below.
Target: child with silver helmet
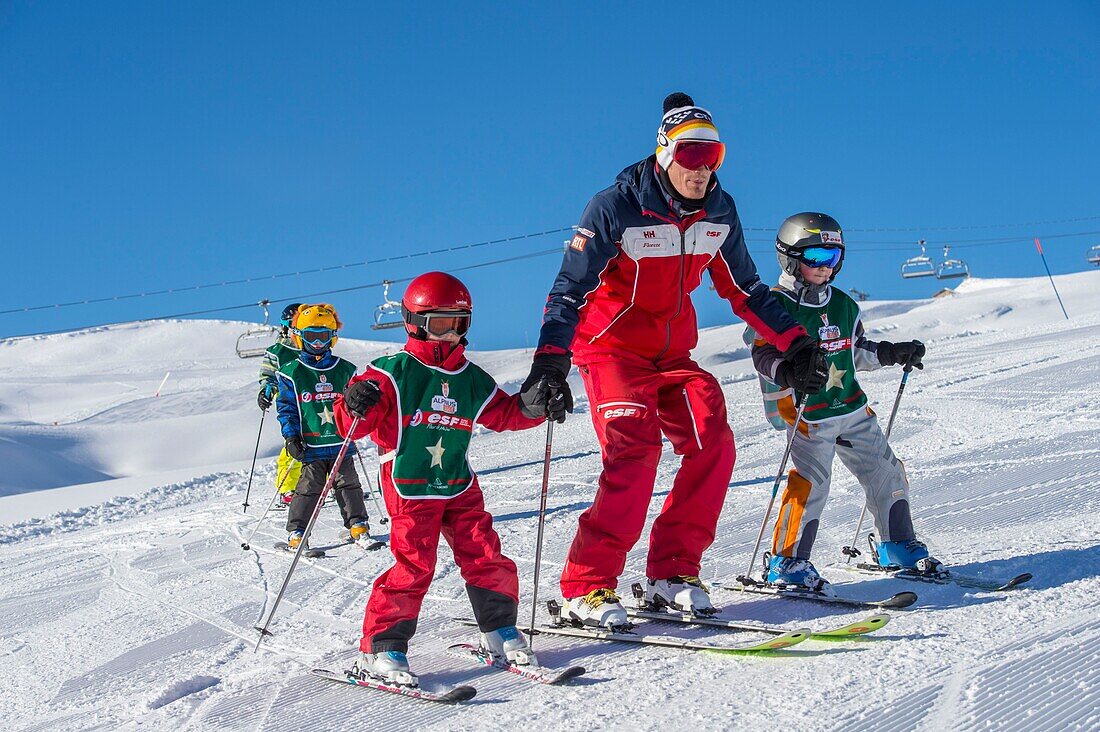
(836, 418)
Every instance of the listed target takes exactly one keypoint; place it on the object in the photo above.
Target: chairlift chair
(255, 342)
(388, 314)
(920, 266)
(859, 295)
(1094, 255)
(951, 269)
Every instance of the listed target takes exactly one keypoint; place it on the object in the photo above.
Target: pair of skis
(345, 537)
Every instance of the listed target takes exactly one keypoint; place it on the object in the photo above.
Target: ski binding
(307, 552)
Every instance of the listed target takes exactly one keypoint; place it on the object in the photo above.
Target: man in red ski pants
(621, 306)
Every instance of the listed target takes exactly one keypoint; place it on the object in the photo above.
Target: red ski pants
(415, 526)
(633, 400)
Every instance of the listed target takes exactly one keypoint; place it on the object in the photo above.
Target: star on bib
(836, 377)
(437, 453)
(326, 416)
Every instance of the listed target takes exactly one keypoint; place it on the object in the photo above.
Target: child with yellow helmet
(307, 387)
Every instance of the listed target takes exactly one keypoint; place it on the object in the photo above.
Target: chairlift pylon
(919, 266)
(1094, 255)
(950, 269)
(388, 314)
(254, 342)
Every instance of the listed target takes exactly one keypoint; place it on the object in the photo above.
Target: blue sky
(153, 145)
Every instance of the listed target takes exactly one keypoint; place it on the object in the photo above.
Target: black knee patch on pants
(901, 522)
(394, 638)
(809, 535)
(492, 609)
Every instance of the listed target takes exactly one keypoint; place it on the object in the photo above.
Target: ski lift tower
(1094, 255)
(919, 266)
(951, 269)
(388, 314)
(254, 342)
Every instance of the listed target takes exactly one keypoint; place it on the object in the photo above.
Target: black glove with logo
(296, 448)
(803, 368)
(906, 353)
(545, 392)
(361, 397)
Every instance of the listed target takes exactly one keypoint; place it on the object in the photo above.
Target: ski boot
(507, 646)
(600, 608)
(912, 555)
(389, 667)
(295, 539)
(684, 593)
(360, 533)
(797, 573)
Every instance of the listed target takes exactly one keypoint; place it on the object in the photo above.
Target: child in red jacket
(420, 407)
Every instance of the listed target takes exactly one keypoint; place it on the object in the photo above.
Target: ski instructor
(621, 307)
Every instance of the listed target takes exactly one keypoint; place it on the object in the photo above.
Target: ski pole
(542, 523)
(382, 519)
(278, 491)
(851, 550)
(254, 454)
(309, 528)
(800, 405)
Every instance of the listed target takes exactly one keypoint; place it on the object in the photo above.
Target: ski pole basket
(255, 342)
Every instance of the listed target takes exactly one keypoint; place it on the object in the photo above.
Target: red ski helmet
(436, 303)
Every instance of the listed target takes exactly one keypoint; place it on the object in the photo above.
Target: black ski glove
(906, 353)
(361, 397)
(806, 369)
(545, 392)
(785, 376)
(266, 396)
(296, 448)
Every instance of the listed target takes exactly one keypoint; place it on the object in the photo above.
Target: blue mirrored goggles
(820, 256)
(316, 337)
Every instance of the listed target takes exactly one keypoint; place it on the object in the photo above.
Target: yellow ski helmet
(318, 319)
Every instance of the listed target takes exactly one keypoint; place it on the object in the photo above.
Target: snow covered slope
(127, 600)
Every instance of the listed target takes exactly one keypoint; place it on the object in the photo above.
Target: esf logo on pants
(613, 410)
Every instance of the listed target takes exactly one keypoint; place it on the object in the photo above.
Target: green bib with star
(834, 324)
(438, 410)
(316, 389)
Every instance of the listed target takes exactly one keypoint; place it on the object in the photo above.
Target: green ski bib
(437, 410)
(834, 324)
(316, 389)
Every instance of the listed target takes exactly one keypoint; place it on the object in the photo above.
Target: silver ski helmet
(804, 231)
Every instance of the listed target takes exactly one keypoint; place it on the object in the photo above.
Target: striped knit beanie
(682, 121)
